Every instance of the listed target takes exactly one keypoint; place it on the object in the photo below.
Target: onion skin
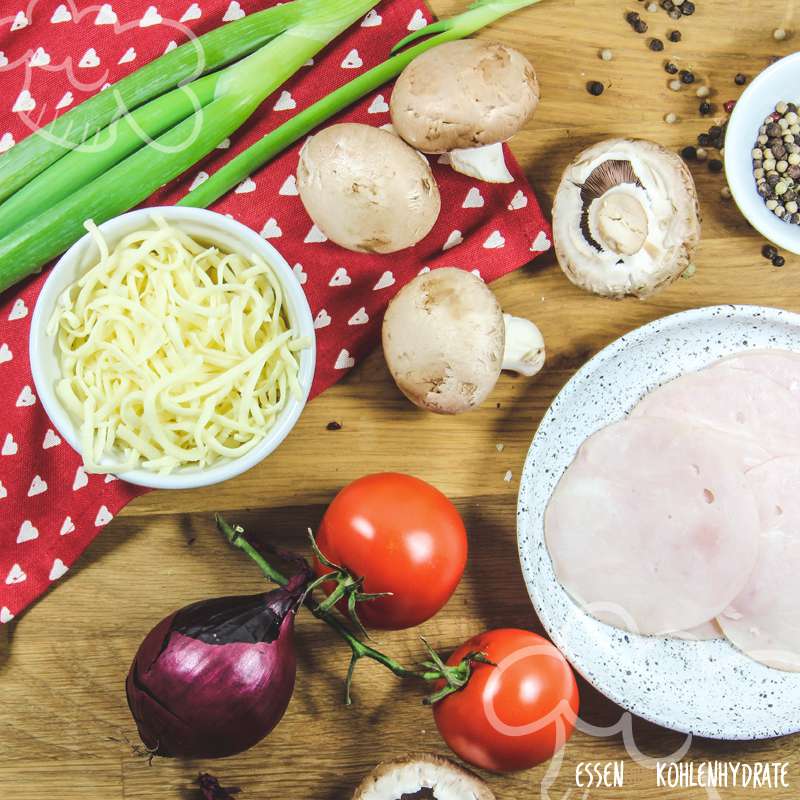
(214, 678)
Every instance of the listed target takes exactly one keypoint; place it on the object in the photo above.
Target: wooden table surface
(63, 716)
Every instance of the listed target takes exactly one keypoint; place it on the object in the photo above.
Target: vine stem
(235, 535)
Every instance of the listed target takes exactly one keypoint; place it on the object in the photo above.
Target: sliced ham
(764, 619)
(763, 415)
(653, 527)
(782, 366)
(702, 633)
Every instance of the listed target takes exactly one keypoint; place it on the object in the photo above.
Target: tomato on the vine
(516, 714)
(402, 536)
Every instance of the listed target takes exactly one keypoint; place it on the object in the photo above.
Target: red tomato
(403, 536)
(514, 715)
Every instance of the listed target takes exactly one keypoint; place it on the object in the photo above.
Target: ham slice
(781, 366)
(653, 527)
(701, 633)
(760, 413)
(764, 619)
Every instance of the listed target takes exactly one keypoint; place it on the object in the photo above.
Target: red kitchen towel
(55, 54)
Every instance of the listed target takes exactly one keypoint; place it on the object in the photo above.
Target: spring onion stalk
(479, 15)
(213, 50)
(105, 149)
(239, 90)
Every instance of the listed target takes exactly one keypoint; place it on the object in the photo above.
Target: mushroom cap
(463, 94)
(417, 771)
(443, 340)
(626, 219)
(366, 189)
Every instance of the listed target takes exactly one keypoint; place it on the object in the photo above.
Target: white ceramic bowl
(206, 226)
(778, 82)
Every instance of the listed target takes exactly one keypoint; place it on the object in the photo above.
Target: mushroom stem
(524, 351)
(487, 163)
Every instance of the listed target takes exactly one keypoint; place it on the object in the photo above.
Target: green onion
(238, 92)
(479, 15)
(215, 49)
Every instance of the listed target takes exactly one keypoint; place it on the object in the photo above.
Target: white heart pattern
(20, 21)
(424, 271)
(39, 58)
(58, 570)
(494, 241)
(233, 12)
(3, 59)
(67, 526)
(315, 236)
(103, 517)
(322, 320)
(24, 102)
(18, 311)
(299, 274)
(3, 491)
(26, 397)
(128, 56)
(199, 179)
(6, 142)
(518, 201)
(193, 12)
(66, 100)
(51, 439)
(418, 21)
(378, 105)
(340, 278)
(541, 243)
(224, 144)
(289, 188)
(359, 318)
(455, 238)
(285, 102)
(106, 16)
(15, 575)
(90, 59)
(151, 17)
(372, 20)
(80, 480)
(352, 60)
(10, 447)
(474, 199)
(5, 353)
(476, 273)
(384, 282)
(38, 486)
(172, 45)
(27, 532)
(61, 14)
(344, 360)
(271, 229)
(5, 615)
(109, 478)
(245, 187)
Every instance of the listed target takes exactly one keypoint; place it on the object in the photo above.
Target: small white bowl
(206, 226)
(778, 82)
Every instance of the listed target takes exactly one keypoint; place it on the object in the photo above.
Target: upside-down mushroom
(446, 339)
(466, 98)
(366, 189)
(422, 775)
(626, 220)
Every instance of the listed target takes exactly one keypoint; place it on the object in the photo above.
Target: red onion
(214, 678)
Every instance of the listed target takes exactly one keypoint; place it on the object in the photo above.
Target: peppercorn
(703, 139)
(687, 76)
(689, 153)
(631, 17)
(687, 8)
(715, 165)
(595, 87)
(640, 26)
(656, 45)
(740, 79)
(670, 68)
(705, 108)
(769, 252)
(778, 261)
(674, 36)
(729, 106)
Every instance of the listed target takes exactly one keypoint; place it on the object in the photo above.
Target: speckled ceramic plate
(705, 688)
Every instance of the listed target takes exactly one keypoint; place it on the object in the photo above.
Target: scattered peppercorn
(703, 139)
(689, 153)
(705, 108)
(778, 261)
(687, 76)
(740, 79)
(769, 252)
(729, 105)
(779, 34)
(714, 165)
(674, 36)
(656, 45)
(333, 426)
(595, 87)
(670, 68)
(671, 118)
(606, 54)
(703, 91)
(687, 8)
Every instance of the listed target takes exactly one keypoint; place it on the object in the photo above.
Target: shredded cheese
(173, 353)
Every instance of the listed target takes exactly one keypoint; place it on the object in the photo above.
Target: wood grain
(63, 718)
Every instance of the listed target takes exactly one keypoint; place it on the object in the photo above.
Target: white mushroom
(626, 220)
(366, 189)
(415, 773)
(467, 95)
(444, 340)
